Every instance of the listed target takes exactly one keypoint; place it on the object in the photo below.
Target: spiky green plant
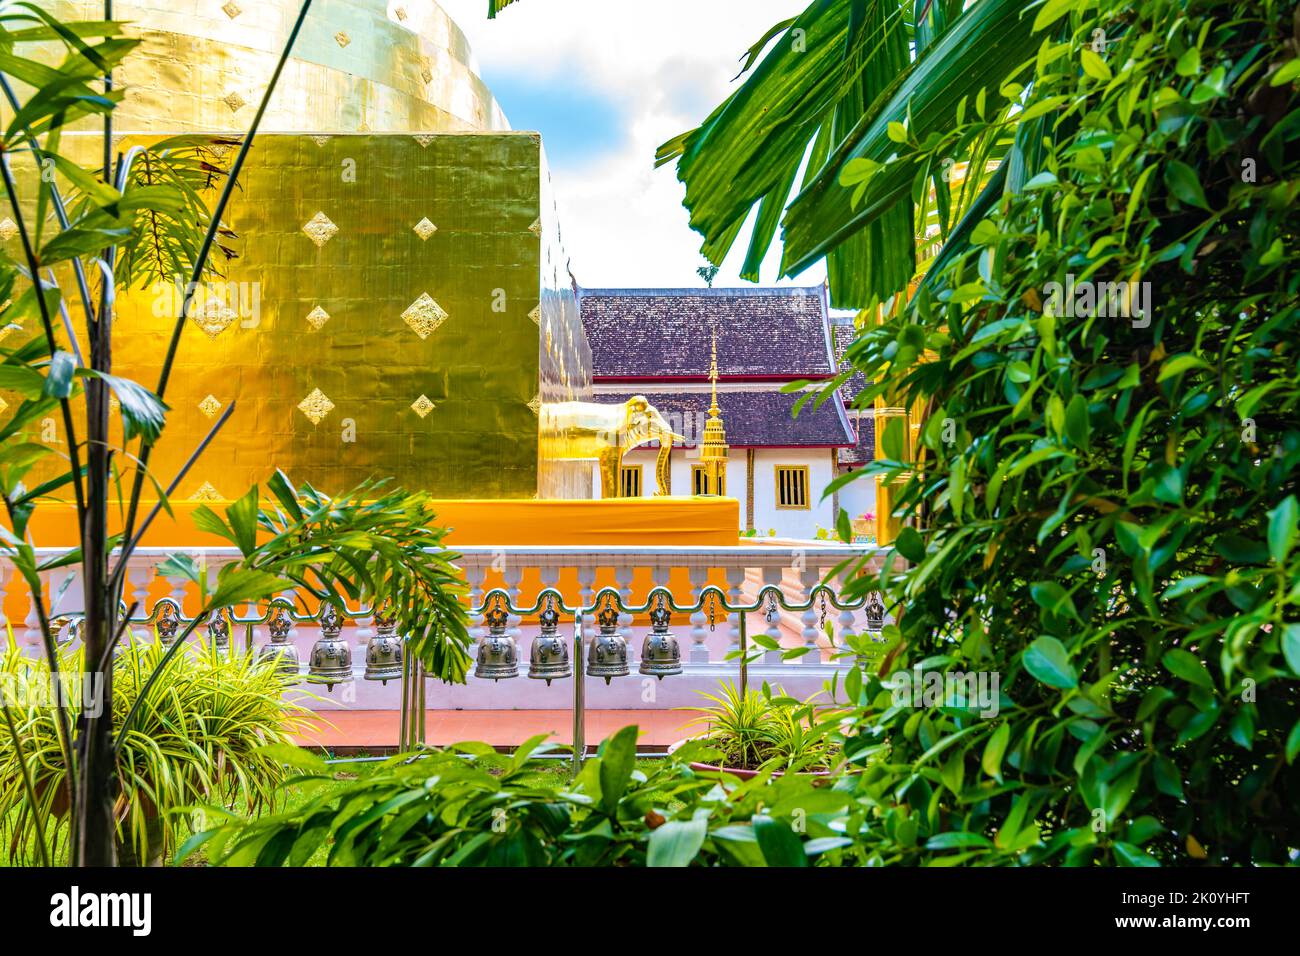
(198, 738)
(758, 727)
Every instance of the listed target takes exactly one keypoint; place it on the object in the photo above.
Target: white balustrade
(738, 572)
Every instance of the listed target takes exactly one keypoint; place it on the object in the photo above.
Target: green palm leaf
(976, 55)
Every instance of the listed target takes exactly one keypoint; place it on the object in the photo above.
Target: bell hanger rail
(497, 653)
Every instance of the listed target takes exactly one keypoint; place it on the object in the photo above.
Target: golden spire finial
(713, 450)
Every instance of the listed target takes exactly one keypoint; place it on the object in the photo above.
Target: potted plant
(760, 731)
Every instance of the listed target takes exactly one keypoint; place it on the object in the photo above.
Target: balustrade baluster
(699, 577)
(773, 577)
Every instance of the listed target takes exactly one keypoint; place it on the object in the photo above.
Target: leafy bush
(1105, 502)
(199, 737)
(446, 809)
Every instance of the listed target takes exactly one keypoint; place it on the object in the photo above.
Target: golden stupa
(400, 304)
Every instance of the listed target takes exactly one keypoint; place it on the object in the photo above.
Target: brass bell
(549, 659)
(498, 656)
(607, 656)
(875, 612)
(661, 655)
(279, 649)
(331, 658)
(384, 650)
(167, 619)
(219, 631)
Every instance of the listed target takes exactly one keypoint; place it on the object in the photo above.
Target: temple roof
(763, 334)
(864, 451)
(844, 332)
(754, 418)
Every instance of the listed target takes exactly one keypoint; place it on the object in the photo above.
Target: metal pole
(406, 700)
(579, 679)
(744, 654)
(423, 711)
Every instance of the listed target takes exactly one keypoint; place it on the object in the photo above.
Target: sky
(606, 82)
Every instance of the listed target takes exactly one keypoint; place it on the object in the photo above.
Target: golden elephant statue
(589, 431)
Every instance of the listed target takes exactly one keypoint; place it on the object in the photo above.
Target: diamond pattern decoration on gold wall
(317, 317)
(214, 318)
(342, 39)
(536, 228)
(231, 9)
(535, 405)
(316, 406)
(234, 101)
(424, 139)
(8, 229)
(424, 315)
(536, 316)
(422, 406)
(206, 492)
(319, 229)
(210, 406)
(424, 229)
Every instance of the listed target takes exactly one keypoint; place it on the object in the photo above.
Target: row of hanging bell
(498, 654)
(330, 662)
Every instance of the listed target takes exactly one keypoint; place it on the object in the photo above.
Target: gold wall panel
(356, 345)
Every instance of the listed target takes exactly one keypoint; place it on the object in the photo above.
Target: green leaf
(1282, 529)
(1129, 855)
(1048, 661)
(1095, 66)
(1177, 364)
(242, 515)
(617, 760)
(241, 585)
(991, 761)
(780, 845)
(1076, 422)
(1188, 666)
(676, 842)
(143, 412)
(58, 380)
(1185, 184)
(1291, 647)
(910, 544)
(1053, 598)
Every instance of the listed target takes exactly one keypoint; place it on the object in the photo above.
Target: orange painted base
(703, 522)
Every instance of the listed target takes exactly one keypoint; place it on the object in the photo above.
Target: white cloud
(665, 65)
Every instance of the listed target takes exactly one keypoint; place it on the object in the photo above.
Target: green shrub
(447, 809)
(198, 739)
(1107, 505)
